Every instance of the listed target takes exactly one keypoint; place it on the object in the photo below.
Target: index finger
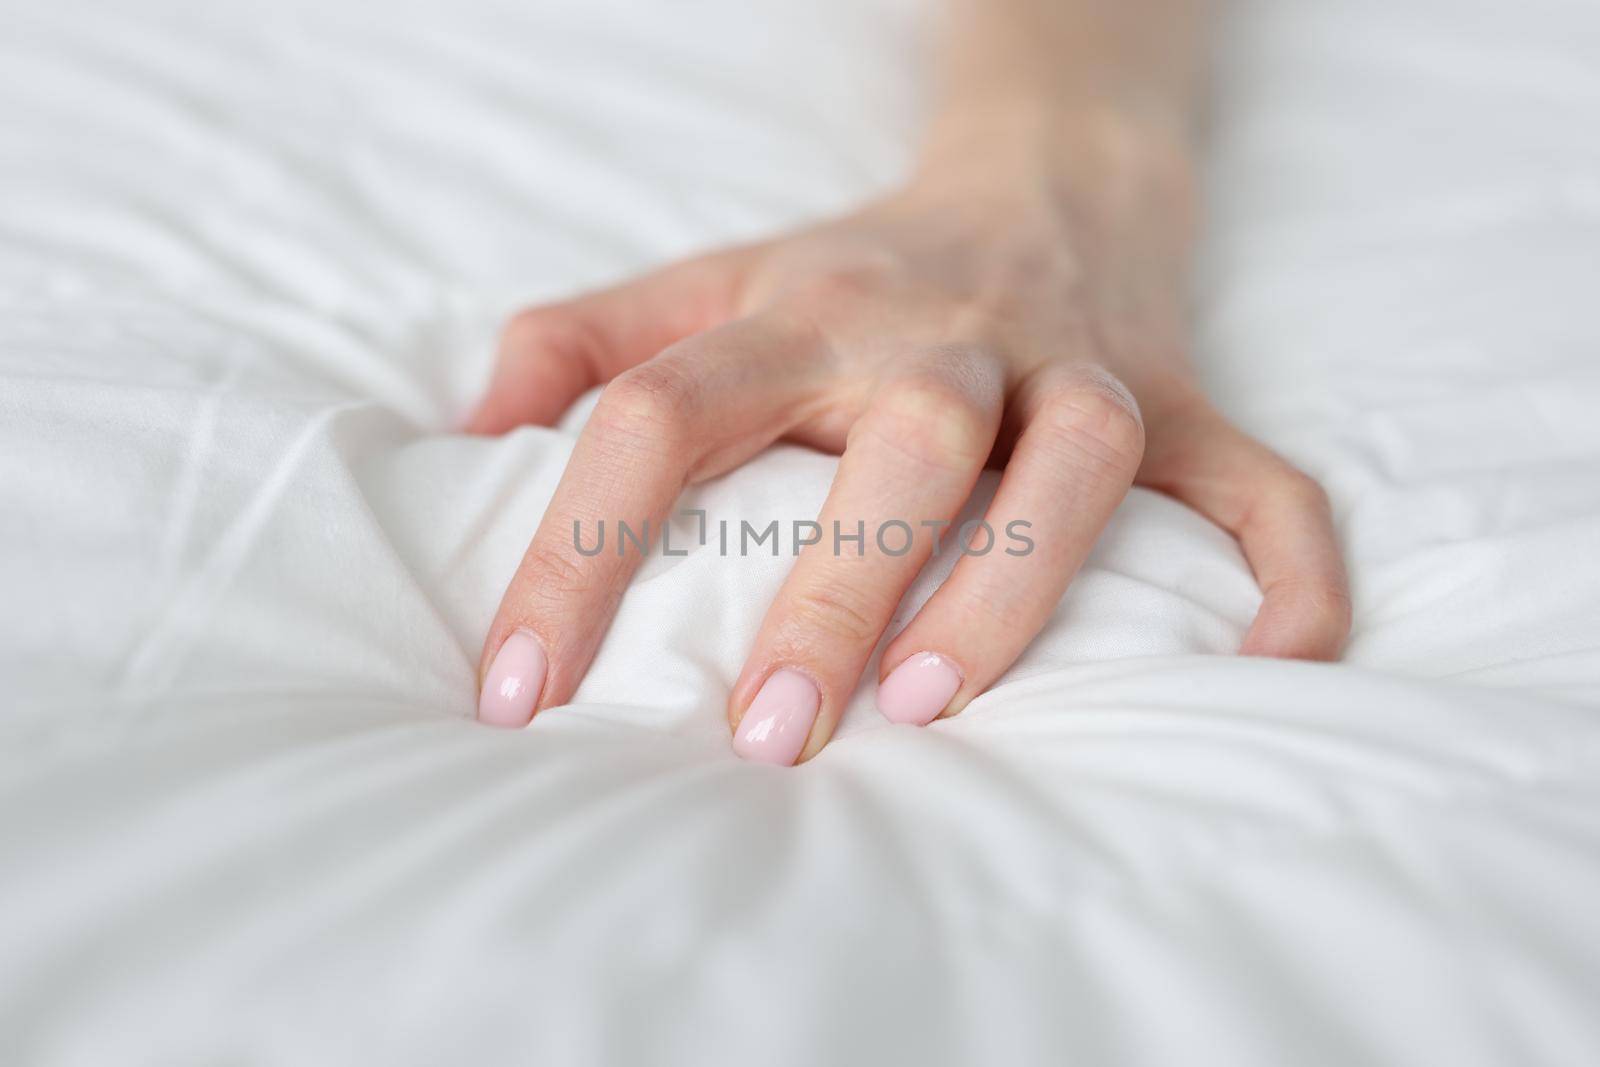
(724, 393)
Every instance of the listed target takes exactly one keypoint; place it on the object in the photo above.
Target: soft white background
(251, 262)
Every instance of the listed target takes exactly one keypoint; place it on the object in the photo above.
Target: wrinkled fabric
(252, 258)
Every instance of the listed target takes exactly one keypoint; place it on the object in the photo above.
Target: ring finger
(1077, 454)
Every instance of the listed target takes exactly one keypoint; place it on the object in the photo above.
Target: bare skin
(1019, 303)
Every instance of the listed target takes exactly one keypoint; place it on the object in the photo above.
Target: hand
(1024, 311)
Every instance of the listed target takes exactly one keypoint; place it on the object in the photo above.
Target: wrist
(1081, 151)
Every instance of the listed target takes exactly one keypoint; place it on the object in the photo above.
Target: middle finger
(912, 457)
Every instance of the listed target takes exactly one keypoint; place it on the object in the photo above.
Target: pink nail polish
(775, 727)
(515, 678)
(919, 689)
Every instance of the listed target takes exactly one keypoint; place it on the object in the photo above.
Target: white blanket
(251, 261)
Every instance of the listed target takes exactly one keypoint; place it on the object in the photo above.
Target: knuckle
(1325, 600)
(523, 329)
(834, 613)
(847, 284)
(541, 328)
(1094, 423)
(988, 607)
(649, 402)
(1337, 607)
(1302, 491)
(549, 574)
(937, 423)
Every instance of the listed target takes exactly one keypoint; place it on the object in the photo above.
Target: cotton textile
(252, 258)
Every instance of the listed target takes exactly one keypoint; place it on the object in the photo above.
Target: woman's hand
(1020, 304)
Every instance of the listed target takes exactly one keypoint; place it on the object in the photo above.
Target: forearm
(1040, 76)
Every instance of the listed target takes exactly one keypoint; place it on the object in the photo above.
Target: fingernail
(512, 686)
(919, 689)
(775, 727)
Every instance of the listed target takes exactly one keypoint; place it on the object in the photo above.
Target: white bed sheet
(251, 259)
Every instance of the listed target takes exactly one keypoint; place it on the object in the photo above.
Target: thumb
(551, 354)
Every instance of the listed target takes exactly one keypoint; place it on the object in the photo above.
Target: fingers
(914, 455)
(1283, 522)
(552, 354)
(1078, 450)
(703, 404)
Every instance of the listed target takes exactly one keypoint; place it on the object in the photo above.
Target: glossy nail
(775, 726)
(919, 689)
(511, 689)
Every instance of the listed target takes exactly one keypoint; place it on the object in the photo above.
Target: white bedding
(251, 260)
